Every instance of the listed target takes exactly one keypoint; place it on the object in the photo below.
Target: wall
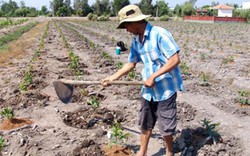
(225, 13)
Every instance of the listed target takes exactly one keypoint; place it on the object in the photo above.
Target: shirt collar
(146, 32)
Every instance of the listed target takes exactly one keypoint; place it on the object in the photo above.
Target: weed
(132, 75)
(23, 86)
(243, 97)
(15, 35)
(36, 55)
(230, 59)
(184, 68)
(1, 144)
(7, 113)
(203, 56)
(106, 56)
(119, 65)
(94, 102)
(204, 78)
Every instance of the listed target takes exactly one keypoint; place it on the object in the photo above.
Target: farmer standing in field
(157, 50)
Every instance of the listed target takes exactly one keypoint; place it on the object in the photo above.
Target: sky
(172, 3)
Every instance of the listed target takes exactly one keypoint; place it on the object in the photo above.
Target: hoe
(64, 88)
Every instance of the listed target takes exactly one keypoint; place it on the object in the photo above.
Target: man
(157, 50)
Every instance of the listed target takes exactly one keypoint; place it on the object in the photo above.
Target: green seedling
(23, 86)
(7, 113)
(243, 97)
(204, 79)
(119, 65)
(74, 61)
(94, 102)
(36, 55)
(117, 136)
(203, 56)
(230, 59)
(1, 144)
(106, 56)
(184, 68)
(211, 129)
(132, 75)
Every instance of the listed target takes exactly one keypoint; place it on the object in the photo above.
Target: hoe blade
(63, 91)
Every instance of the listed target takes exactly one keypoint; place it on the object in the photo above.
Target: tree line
(108, 8)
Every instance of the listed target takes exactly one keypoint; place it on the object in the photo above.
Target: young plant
(230, 59)
(184, 68)
(132, 75)
(204, 79)
(23, 86)
(119, 65)
(1, 144)
(211, 129)
(106, 56)
(117, 136)
(36, 55)
(7, 113)
(74, 61)
(94, 102)
(243, 97)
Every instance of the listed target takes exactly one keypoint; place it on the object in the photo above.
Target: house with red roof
(225, 14)
(224, 10)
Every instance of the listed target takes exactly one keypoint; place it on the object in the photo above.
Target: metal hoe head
(64, 91)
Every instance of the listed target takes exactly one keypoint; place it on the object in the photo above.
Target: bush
(90, 16)
(151, 19)
(164, 18)
(103, 18)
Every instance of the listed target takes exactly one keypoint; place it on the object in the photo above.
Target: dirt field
(215, 67)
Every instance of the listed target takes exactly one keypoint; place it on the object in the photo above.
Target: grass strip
(15, 35)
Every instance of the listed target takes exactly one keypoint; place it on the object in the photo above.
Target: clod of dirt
(88, 148)
(88, 118)
(117, 150)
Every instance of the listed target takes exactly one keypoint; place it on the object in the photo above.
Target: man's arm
(171, 64)
(123, 71)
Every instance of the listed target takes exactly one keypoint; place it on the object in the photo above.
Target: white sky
(172, 3)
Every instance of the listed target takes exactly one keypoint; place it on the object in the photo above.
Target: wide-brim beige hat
(130, 13)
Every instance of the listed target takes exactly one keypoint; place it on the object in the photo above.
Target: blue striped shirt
(156, 48)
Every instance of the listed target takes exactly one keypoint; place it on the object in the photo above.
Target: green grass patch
(15, 35)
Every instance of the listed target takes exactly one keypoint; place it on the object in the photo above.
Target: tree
(63, 11)
(192, 2)
(55, 5)
(21, 12)
(67, 3)
(9, 8)
(162, 8)
(118, 5)
(77, 7)
(178, 10)
(44, 10)
(214, 4)
(22, 3)
(85, 8)
(32, 12)
(187, 9)
(102, 7)
(146, 6)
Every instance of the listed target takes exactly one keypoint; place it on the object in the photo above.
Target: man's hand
(105, 81)
(150, 81)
